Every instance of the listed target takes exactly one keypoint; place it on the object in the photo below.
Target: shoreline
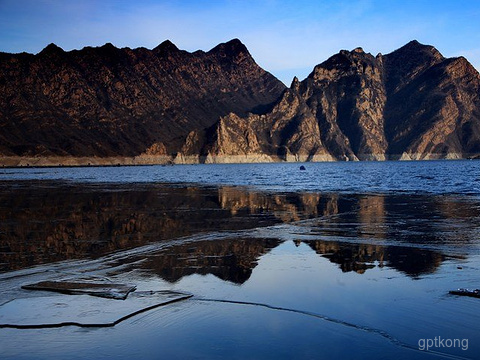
(180, 159)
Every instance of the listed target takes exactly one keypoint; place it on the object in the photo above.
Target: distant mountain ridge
(110, 102)
(410, 104)
(107, 105)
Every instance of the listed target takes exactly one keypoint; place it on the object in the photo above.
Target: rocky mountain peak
(460, 66)
(165, 48)
(409, 61)
(295, 86)
(345, 63)
(109, 50)
(231, 49)
(51, 49)
(420, 50)
(108, 46)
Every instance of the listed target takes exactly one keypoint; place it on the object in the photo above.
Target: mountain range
(107, 105)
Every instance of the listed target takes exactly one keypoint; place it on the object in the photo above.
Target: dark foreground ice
(80, 310)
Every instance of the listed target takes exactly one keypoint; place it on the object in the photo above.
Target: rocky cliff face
(433, 107)
(107, 106)
(288, 132)
(123, 102)
(410, 104)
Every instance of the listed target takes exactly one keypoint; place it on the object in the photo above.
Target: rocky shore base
(53, 161)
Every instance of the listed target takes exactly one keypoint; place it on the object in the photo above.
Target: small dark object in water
(466, 292)
(302, 168)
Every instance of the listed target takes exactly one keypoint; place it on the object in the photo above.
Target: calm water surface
(342, 260)
(433, 177)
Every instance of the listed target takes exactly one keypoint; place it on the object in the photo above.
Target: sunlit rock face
(410, 104)
(347, 95)
(108, 106)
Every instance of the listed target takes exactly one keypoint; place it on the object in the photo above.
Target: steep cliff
(135, 106)
(123, 102)
(288, 132)
(410, 104)
(433, 107)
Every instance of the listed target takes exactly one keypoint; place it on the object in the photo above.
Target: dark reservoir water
(342, 260)
(433, 177)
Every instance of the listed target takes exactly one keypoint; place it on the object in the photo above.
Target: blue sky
(286, 38)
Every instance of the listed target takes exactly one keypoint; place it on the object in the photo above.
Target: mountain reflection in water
(229, 259)
(234, 259)
(361, 257)
(44, 222)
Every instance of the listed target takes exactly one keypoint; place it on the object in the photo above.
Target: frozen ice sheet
(81, 310)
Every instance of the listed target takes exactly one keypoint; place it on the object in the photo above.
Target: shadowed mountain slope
(123, 102)
(410, 104)
(169, 105)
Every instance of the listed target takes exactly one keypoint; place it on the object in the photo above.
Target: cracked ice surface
(81, 310)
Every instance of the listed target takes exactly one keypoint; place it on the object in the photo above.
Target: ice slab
(107, 290)
(81, 310)
(466, 292)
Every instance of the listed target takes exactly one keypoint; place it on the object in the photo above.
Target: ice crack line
(93, 325)
(379, 332)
